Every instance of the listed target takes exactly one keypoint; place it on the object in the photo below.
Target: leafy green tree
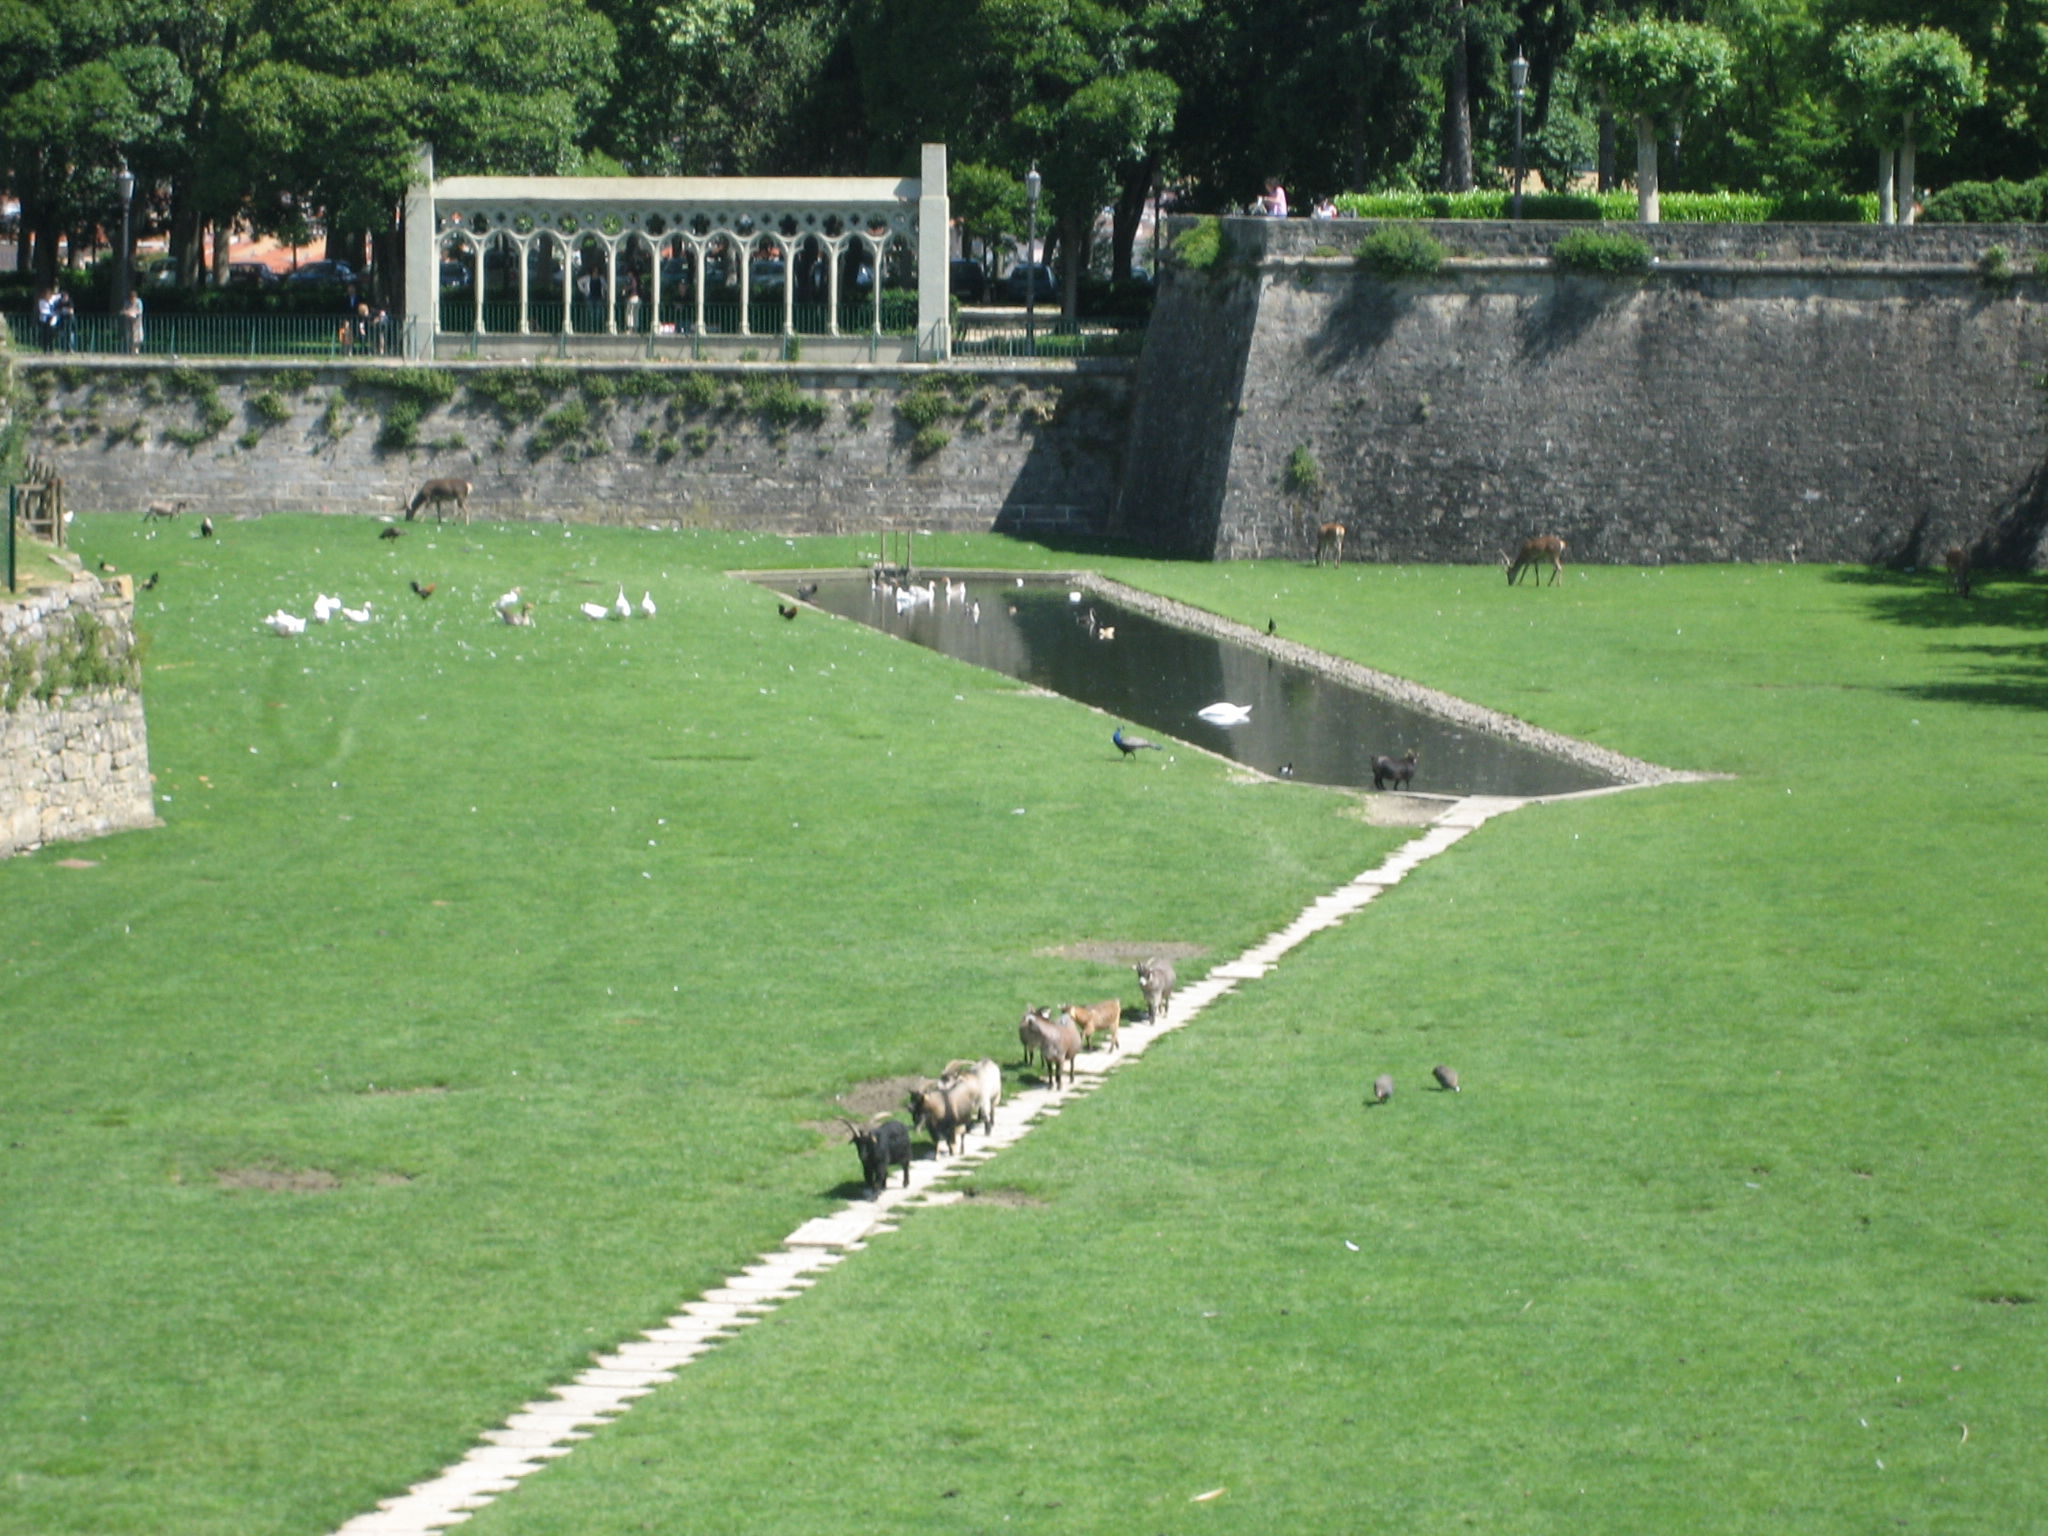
(1653, 72)
(1905, 88)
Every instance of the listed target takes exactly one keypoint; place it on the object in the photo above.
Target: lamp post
(124, 183)
(1518, 76)
(1032, 185)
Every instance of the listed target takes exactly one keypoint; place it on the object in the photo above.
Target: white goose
(357, 615)
(509, 601)
(596, 611)
(285, 623)
(622, 608)
(324, 608)
(647, 608)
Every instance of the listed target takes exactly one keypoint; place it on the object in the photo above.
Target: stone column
(422, 259)
(934, 247)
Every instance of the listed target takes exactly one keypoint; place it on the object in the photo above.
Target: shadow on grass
(2010, 673)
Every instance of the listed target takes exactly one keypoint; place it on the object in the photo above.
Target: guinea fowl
(1447, 1078)
(1131, 746)
(392, 533)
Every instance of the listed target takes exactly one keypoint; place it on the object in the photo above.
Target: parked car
(339, 273)
(765, 278)
(162, 272)
(458, 275)
(967, 281)
(251, 274)
(1023, 279)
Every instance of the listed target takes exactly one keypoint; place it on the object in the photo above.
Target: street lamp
(1518, 76)
(1032, 185)
(124, 183)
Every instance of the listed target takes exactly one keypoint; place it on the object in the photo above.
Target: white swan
(1226, 714)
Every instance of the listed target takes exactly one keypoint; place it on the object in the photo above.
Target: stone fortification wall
(74, 750)
(1692, 415)
(788, 449)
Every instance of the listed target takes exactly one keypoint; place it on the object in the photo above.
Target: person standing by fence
(131, 322)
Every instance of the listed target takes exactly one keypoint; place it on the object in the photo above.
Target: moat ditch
(1154, 665)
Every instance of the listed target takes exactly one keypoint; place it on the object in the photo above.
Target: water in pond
(1156, 678)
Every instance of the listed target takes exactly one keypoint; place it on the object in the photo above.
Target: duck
(596, 611)
(285, 623)
(1226, 714)
(325, 607)
(647, 609)
(523, 618)
(357, 615)
(622, 607)
(508, 601)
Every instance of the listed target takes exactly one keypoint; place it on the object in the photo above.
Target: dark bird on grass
(806, 590)
(1447, 1078)
(150, 585)
(206, 527)
(1131, 746)
(1271, 627)
(1383, 1088)
(1287, 770)
(427, 590)
(786, 610)
(392, 533)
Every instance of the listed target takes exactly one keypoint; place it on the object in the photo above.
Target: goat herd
(970, 1091)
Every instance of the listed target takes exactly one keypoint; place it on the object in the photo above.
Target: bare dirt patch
(277, 1178)
(78, 863)
(1397, 810)
(1121, 952)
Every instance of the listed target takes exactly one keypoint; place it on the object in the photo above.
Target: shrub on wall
(1616, 207)
(1303, 476)
(1201, 247)
(1609, 253)
(1989, 202)
(1400, 250)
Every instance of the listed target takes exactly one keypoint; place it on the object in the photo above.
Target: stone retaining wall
(1692, 415)
(788, 449)
(74, 765)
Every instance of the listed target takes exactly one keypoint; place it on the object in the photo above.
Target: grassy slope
(546, 945)
(1751, 1135)
(1752, 1071)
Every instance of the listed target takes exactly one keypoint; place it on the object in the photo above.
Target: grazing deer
(1545, 546)
(435, 492)
(1958, 562)
(1330, 540)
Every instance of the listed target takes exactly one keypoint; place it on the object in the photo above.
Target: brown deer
(1545, 546)
(1958, 562)
(436, 492)
(1330, 541)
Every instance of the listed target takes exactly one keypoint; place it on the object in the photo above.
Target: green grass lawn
(544, 949)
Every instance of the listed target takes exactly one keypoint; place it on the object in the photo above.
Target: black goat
(1398, 771)
(881, 1147)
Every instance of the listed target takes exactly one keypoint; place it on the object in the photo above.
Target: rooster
(426, 591)
(150, 585)
(786, 610)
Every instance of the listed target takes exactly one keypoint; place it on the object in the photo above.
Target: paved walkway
(554, 1425)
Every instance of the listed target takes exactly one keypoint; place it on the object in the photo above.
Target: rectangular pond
(1155, 677)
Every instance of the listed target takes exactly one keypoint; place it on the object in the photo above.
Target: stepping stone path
(554, 1425)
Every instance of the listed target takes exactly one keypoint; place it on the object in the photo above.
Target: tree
(1904, 88)
(1653, 71)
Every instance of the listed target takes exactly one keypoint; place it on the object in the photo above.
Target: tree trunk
(1646, 171)
(1887, 210)
(1125, 217)
(1909, 196)
(223, 250)
(1607, 151)
(1457, 174)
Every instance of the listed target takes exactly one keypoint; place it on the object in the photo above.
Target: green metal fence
(308, 336)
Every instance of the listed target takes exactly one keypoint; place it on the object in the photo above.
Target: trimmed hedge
(1619, 207)
(1988, 202)
(1400, 250)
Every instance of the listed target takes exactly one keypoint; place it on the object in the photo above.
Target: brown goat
(1058, 1042)
(1156, 979)
(984, 1081)
(1093, 1018)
